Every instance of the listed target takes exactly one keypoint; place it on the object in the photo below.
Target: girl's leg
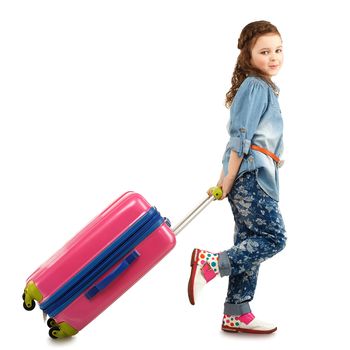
(241, 287)
(259, 235)
(259, 229)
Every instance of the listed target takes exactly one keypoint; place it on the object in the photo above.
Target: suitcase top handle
(113, 275)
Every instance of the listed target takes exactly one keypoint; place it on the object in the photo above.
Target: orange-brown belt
(268, 153)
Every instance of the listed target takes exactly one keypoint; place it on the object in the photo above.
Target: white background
(101, 97)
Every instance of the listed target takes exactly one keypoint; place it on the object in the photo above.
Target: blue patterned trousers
(259, 235)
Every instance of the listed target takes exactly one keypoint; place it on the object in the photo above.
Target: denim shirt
(255, 118)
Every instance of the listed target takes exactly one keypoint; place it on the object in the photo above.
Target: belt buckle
(280, 163)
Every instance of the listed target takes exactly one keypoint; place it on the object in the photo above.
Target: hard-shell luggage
(102, 262)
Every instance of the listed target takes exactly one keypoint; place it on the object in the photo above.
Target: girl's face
(267, 54)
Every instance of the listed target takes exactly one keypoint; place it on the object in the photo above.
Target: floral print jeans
(259, 235)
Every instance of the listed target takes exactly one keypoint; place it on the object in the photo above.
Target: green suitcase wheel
(51, 323)
(29, 305)
(54, 332)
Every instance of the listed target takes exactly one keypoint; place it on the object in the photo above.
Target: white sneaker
(246, 323)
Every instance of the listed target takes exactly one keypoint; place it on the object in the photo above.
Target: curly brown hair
(244, 68)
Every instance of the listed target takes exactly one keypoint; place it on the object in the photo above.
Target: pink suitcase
(102, 262)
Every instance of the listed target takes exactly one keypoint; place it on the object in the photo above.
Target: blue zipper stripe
(90, 280)
(102, 263)
(95, 262)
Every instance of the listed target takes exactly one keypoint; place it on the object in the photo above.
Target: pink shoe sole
(194, 266)
(245, 330)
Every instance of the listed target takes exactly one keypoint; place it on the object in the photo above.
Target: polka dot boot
(246, 323)
(204, 268)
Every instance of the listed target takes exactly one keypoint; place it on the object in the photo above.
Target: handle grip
(216, 192)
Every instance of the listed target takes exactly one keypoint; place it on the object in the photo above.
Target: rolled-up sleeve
(249, 105)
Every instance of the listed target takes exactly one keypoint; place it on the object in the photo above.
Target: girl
(249, 179)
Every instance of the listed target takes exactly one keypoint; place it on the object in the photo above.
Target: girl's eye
(264, 52)
(278, 50)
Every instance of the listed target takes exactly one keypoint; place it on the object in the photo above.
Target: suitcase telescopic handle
(216, 194)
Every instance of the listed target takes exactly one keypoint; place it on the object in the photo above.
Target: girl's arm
(222, 175)
(233, 167)
(226, 182)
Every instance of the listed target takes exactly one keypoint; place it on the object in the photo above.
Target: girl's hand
(219, 184)
(227, 186)
(210, 191)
